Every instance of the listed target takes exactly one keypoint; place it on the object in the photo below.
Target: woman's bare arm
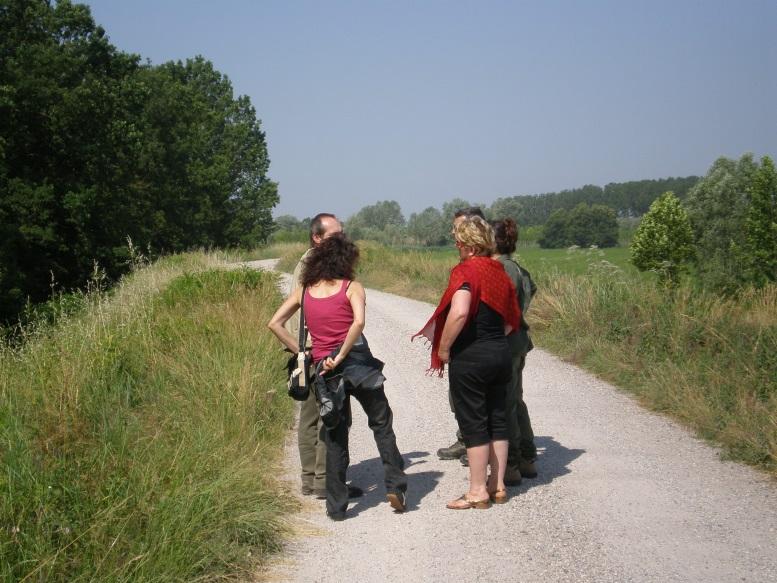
(454, 323)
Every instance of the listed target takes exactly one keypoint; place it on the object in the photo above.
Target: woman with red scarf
(467, 331)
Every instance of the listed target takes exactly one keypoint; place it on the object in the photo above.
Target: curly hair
(476, 233)
(506, 235)
(334, 258)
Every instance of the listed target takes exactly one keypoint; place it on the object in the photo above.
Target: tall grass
(140, 436)
(708, 361)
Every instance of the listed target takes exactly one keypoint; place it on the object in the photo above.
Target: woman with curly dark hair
(334, 308)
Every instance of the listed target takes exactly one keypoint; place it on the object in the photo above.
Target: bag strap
(302, 329)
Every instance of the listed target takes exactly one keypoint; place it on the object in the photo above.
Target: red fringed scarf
(489, 283)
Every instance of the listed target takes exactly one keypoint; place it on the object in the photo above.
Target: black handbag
(298, 386)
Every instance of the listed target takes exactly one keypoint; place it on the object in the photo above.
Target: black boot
(453, 452)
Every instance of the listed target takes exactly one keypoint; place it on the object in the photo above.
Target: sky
(421, 102)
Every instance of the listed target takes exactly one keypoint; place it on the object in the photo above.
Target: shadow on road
(368, 475)
(553, 460)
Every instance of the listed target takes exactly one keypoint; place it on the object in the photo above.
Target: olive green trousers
(521, 440)
(312, 448)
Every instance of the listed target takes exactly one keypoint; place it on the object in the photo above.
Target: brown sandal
(499, 496)
(465, 503)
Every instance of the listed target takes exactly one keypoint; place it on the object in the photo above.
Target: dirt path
(622, 494)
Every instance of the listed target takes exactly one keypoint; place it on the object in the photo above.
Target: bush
(664, 241)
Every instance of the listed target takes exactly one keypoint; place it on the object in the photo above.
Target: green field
(573, 261)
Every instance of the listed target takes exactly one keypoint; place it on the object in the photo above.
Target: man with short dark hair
(310, 433)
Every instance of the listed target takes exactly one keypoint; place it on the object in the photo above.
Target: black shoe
(336, 516)
(464, 460)
(353, 492)
(454, 452)
(398, 501)
(512, 476)
(528, 469)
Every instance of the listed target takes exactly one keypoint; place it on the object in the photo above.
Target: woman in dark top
(467, 331)
(334, 308)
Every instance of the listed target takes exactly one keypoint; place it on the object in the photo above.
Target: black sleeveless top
(487, 327)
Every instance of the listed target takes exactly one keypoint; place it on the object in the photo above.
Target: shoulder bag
(298, 386)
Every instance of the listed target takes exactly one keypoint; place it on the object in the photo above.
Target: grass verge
(709, 362)
(140, 437)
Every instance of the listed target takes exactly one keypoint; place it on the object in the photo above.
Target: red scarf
(489, 283)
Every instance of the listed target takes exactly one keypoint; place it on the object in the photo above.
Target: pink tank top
(328, 320)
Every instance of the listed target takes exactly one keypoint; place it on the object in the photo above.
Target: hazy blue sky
(423, 101)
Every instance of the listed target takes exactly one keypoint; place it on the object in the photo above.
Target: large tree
(718, 208)
(65, 126)
(96, 148)
(377, 217)
(761, 225)
(428, 227)
(211, 183)
(555, 231)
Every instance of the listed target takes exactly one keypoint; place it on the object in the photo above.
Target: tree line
(98, 148)
(582, 216)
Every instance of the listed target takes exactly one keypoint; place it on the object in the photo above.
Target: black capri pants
(479, 377)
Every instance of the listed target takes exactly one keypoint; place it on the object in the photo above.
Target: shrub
(664, 240)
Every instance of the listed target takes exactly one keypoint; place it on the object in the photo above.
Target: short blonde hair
(476, 233)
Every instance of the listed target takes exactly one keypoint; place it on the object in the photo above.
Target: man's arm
(276, 323)
(292, 324)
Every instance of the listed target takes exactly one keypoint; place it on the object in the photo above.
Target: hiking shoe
(453, 452)
(512, 476)
(398, 501)
(527, 468)
(336, 516)
(464, 460)
(353, 492)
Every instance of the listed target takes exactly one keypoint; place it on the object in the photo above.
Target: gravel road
(623, 494)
